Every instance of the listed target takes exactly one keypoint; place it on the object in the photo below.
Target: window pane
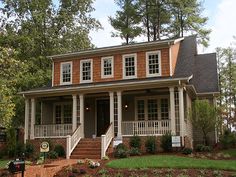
(107, 67)
(58, 114)
(66, 72)
(153, 62)
(152, 109)
(129, 66)
(164, 108)
(68, 114)
(86, 70)
(140, 110)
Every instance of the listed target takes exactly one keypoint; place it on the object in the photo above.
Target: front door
(103, 116)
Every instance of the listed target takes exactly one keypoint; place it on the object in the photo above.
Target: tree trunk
(147, 24)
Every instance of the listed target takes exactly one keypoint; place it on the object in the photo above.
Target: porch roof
(128, 84)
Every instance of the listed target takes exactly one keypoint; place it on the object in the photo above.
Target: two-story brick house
(116, 92)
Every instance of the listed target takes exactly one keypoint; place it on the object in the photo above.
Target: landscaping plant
(187, 151)
(228, 139)
(135, 142)
(166, 143)
(150, 145)
(121, 151)
(59, 149)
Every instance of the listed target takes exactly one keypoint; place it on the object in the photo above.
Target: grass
(170, 161)
(3, 163)
(231, 152)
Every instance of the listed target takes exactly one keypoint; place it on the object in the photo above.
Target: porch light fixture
(126, 106)
(87, 108)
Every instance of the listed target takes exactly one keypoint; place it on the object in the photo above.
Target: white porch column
(32, 118)
(74, 115)
(111, 94)
(81, 108)
(181, 113)
(26, 120)
(119, 105)
(172, 110)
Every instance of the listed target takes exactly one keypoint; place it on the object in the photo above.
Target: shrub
(228, 139)
(20, 149)
(29, 150)
(135, 142)
(11, 142)
(150, 145)
(134, 151)
(121, 151)
(166, 143)
(82, 171)
(52, 155)
(59, 149)
(203, 148)
(187, 151)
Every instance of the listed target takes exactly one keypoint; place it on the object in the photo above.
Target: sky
(221, 14)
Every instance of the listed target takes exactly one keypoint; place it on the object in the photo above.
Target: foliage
(20, 149)
(202, 148)
(204, 117)
(166, 142)
(52, 155)
(150, 145)
(134, 151)
(121, 151)
(228, 139)
(29, 149)
(126, 20)
(135, 142)
(187, 151)
(93, 164)
(59, 149)
(11, 142)
(171, 161)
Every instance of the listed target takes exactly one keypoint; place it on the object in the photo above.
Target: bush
(166, 143)
(134, 151)
(150, 144)
(135, 142)
(59, 149)
(187, 151)
(11, 142)
(20, 149)
(52, 155)
(203, 148)
(228, 139)
(121, 151)
(29, 150)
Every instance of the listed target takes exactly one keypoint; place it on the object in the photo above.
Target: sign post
(44, 147)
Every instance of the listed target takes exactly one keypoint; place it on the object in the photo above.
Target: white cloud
(224, 26)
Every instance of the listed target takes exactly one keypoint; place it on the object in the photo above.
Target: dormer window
(107, 67)
(86, 71)
(153, 63)
(66, 73)
(129, 66)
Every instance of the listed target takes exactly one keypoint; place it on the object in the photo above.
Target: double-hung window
(107, 67)
(86, 71)
(129, 66)
(66, 73)
(153, 63)
(63, 113)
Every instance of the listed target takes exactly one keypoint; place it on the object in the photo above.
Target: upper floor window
(129, 66)
(107, 67)
(86, 71)
(66, 73)
(153, 63)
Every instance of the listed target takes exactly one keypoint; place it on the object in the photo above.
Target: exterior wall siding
(174, 56)
(118, 70)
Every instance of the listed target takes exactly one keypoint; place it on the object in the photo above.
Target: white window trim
(135, 65)
(147, 63)
(112, 67)
(145, 98)
(61, 73)
(81, 69)
(62, 111)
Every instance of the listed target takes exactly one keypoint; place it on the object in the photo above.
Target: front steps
(87, 148)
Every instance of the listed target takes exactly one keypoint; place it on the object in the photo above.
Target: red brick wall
(54, 141)
(118, 74)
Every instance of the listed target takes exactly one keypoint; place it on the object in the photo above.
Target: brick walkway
(43, 171)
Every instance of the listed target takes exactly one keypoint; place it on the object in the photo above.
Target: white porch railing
(52, 130)
(144, 128)
(106, 140)
(73, 140)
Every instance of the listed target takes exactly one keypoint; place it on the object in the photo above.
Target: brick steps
(87, 148)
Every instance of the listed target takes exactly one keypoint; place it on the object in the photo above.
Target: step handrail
(73, 140)
(106, 140)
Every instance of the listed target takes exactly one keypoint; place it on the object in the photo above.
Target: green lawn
(3, 163)
(170, 161)
(231, 152)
